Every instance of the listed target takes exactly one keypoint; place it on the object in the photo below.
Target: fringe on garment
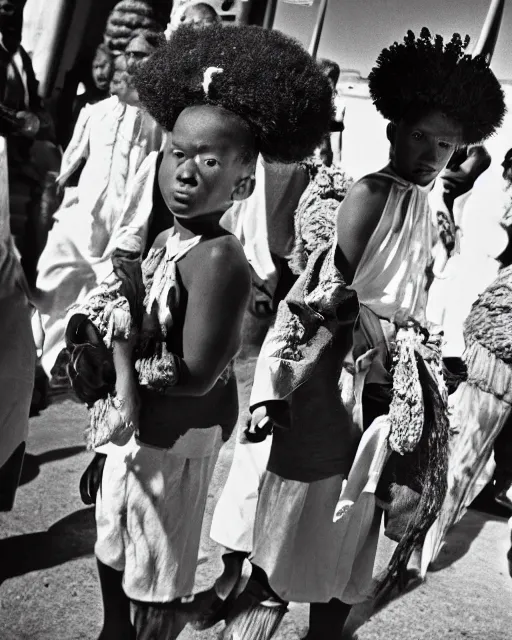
(106, 422)
(428, 464)
(315, 217)
(488, 373)
(257, 622)
(488, 322)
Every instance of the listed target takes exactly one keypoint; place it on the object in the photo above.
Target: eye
(417, 135)
(211, 162)
(178, 154)
(445, 145)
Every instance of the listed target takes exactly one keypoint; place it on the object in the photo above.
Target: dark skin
(201, 174)
(420, 151)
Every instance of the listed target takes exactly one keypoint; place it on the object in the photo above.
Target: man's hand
(30, 124)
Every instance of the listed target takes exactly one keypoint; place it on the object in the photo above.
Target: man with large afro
(174, 328)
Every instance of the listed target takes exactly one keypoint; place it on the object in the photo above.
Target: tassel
(431, 470)
(258, 622)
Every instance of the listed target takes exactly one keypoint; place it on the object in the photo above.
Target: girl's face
(422, 149)
(202, 170)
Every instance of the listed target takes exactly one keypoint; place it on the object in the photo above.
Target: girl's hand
(259, 426)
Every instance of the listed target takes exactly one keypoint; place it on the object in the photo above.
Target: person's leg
(503, 459)
(327, 619)
(116, 606)
(227, 581)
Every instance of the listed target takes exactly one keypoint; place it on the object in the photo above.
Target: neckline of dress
(407, 183)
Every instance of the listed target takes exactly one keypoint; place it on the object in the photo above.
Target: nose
(186, 173)
(433, 154)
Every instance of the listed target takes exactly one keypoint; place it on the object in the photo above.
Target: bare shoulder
(215, 260)
(373, 188)
(365, 201)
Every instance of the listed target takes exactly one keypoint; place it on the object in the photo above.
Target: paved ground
(49, 589)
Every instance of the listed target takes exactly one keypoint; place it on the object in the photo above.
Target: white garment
(113, 139)
(149, 513)
(391, 277)
(233, 518)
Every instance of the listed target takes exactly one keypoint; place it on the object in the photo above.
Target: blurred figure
(98, 85)
(330, 150)
(118, 83)
(17, 351)
(137, 51)
(28, 161)
(465, 167)
(110, 141)
(200, 15)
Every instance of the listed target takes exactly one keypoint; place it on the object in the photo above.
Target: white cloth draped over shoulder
(109, 144)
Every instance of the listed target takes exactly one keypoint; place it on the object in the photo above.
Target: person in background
(200, 15)
(465, 167)
(96, 87)
(330, 149)
(110, 141)
(31, 151)
(17, 350)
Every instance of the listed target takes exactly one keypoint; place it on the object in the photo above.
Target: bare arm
(358, 216)
(217, 278)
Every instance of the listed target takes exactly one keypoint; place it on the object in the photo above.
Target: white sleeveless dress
(306, 555)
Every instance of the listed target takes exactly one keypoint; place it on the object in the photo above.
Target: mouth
(425, 170)
(181, 197)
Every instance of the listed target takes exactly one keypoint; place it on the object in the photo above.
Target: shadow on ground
(32, 464)
(70, 538)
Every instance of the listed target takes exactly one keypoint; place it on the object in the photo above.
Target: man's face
(11, 23)
(201, 171)
(101, 70)
(422, 149)
(198, 17)
(137, 50)
(507, 166)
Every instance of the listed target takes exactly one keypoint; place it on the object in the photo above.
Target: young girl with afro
(152, 348)
(349, 380)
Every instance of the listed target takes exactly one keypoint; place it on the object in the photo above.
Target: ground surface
(49, 589)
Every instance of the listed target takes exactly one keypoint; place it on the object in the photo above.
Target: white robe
(113, 139)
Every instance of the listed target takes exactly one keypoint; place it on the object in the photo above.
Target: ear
(244, 188)
(391, 132)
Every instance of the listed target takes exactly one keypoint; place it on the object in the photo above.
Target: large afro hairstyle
(267, 79)
(424, 74)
